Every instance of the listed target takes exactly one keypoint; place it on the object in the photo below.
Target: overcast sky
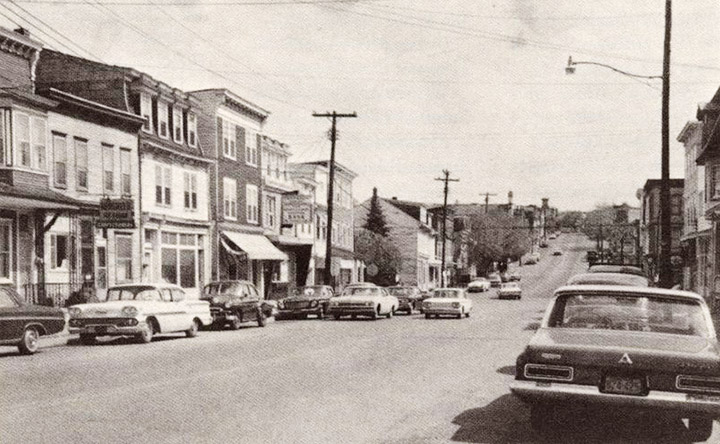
(477, 87)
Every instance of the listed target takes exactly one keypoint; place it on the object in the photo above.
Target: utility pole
(665, 266)
(327, 276)
(445, 179)
(487, 200)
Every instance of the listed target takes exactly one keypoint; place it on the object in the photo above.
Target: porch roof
(28, 197)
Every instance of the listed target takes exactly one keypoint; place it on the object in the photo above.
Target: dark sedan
(627, 349)
(305, 301)
(22, 324)
(410, 298)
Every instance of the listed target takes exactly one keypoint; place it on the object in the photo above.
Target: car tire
(146, 334)
(376, 313)
(337, 317)
(236, 323)
(87, 339)
(390, 313)
(467, 315)
(700, 429)
(427, 315)
(193, 330)
(30, 341)
(321, 314)
(261, 319)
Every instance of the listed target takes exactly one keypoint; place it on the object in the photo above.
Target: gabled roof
(389, 209)
(228, 98)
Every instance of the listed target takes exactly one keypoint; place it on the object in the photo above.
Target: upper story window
(177, 125)
(714, 191)
(251, 207)
(30, 141)
(162, 108)
(229, 198)
(126, 187)
(228, 138)
(190, 190)
(146, 112)
(163, 185)
(60, 159)
(191, 129)
(270, 211)
(108, 160)
(38, 142)
(251, 148)
(81, 164)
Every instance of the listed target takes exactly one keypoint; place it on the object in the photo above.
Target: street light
(664, 263)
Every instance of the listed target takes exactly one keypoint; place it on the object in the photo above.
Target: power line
(200, 3)
(17, 23)
(67, 39)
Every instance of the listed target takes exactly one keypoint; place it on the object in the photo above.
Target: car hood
(650, 351)
(448, 300)
(303, 298)
(357, 299)
(111, 307)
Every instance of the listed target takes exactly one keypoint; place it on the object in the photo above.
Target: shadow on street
(507, 420)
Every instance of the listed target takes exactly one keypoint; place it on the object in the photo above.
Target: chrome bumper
(548, 392)
(360, 311)
(442, 311)
(106, 330)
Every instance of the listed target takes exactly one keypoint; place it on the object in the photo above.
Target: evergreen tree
(375, 219)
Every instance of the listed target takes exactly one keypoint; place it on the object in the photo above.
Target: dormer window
(191, 129)
(177, 125)
(162, 120)
(146, 112)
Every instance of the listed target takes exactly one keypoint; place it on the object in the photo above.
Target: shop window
(169, 265)
(102, 267)
(187, 268)
(123, 256)
(5, 253)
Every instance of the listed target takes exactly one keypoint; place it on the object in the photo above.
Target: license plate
(624, 385)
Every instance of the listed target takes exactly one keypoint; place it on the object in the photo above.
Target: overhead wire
(56, 44)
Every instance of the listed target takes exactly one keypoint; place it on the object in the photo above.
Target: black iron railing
(52, 294)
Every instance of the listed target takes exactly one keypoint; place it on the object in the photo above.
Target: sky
(477, 87)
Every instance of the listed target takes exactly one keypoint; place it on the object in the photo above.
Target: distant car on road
(509, 290)
(409, 298)
(22, 324)
(495, 279)
(478, 285)
(363, 300)
(625, 349)
(234, 302)
(609, 279)
(447, 301)
(514, 276)
(543, 244)
(312, 299)
(552, 236)
(140, 310)
(557, 252)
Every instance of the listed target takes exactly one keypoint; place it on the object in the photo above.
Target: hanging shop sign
(116, 213)
(296, 209)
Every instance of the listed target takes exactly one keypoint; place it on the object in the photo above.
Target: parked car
(616, 268)
(22, 324)
(626, 349)
(313, 299)
(543, 244)
(495, 279)
(509, 290)
(363, 300)
(514, 276)
(409, 298)
(557, 252)
(447, 301)
(235, 302)
(478, 285)
(140, 310)
(552, 236)
(608, 279)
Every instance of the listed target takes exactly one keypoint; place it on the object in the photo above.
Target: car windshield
(363, 291)
(400, 291)
(143, 293)
(308, 291)
(447, 294)
(6, 300)
(509, 285)
(629, 312)
(227, 288)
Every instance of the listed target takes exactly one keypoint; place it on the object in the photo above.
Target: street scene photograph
(359, 221)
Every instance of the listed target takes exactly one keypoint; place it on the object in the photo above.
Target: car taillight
(697, 383)
(549, 372)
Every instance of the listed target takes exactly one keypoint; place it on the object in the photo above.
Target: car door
(185, 309)
(167, 312)
(12, 316)
(252, 302)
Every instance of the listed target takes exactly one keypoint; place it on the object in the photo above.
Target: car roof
(230, 281)
(449, 288)
(628, 290)
(616, 268)
(147, 284)
(608, 279)
(403, 286)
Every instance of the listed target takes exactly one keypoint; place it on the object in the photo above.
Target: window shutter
(240, 141)
(258, 157)
(219, 144)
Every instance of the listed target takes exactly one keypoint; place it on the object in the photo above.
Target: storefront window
(5, 249)
(187, 268)
(169, 265)
(182, 259)
(123, 252)
(101, 267)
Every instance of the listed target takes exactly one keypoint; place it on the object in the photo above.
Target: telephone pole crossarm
(445, 179)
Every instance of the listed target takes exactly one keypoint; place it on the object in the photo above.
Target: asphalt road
(400, 380)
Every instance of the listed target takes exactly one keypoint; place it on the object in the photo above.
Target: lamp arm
(619, 71)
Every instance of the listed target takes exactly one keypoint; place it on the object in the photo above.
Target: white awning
(256, 246)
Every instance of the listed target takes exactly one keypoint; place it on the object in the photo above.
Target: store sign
(116, 213)
(297, 209)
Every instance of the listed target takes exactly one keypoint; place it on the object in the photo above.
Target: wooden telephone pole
(445, 179)
(487, 200)
(327, 276)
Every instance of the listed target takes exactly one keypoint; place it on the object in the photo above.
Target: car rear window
(629, 312)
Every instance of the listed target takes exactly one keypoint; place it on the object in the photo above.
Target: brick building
(650, 226)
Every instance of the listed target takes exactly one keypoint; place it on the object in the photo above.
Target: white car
(366, 300)
(139, 310)
(509, 290)
(478, 285)
(447, 301)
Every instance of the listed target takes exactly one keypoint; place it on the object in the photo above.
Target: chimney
(22, 31)
(545, 202)
(394, 198)
(510, 197)
(374, 191)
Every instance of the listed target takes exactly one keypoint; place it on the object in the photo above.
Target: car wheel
(87, 339)
(700, 429)
(427, 315)
(193, 330)
(467, 315)
(261, 319)
(147, 332)
(391, 312)
(236, 323)
(30, 341)
(337, 316)
(321, 313)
